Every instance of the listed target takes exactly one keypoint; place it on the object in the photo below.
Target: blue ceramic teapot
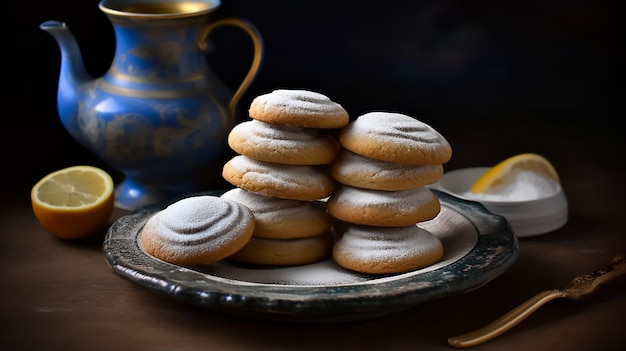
(159, 115)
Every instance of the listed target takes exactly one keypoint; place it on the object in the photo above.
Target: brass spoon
(582, 286)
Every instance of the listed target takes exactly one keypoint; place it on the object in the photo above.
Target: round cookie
(277, 218)
(385, 250)
(282, 144)
(293, 182)
(285, 252)
(383, 208)
(394, 137)
(301, 108)
(364, 172)
(197, 230)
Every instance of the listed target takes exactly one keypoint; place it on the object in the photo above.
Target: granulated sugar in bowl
(532, 204)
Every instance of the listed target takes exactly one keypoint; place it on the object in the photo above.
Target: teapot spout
(72, 76)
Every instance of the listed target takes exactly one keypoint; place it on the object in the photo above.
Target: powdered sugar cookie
(293, 182)
(197, 230)
(395, 137)
(364, 172)
(300, 108)
(385, 250)
(383, 208)
(282, 144)
(277, 218)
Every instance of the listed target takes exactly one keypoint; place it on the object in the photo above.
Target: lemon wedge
(74, 202)
(505, 171)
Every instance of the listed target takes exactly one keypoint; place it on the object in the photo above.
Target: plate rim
(493, 253)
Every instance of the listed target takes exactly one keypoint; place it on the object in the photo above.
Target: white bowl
(527, 218)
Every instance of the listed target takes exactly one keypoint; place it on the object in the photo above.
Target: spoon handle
(506, 322)
(582, 285)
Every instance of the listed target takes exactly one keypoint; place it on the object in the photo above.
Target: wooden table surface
(63, 294)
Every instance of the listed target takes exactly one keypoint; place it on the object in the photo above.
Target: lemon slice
(73, 202)
(505, 171)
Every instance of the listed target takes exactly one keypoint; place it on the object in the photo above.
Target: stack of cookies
(385, 163)
(277, 174)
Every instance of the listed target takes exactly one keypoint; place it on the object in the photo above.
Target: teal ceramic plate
(478, 245)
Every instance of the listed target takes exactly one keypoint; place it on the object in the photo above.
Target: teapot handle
(257, 40)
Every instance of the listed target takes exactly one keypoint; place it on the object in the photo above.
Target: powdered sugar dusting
(298, 108)
(395, 130)
(351, 164)
(371, 244)
(285, 136)
(298, 102)
(282, 144)
(269, 208)
(524, 186)
(279, 176)
(401, 200)
(199, 221)
(397, 127)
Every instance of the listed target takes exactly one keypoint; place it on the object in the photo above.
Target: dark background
(514, 66)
